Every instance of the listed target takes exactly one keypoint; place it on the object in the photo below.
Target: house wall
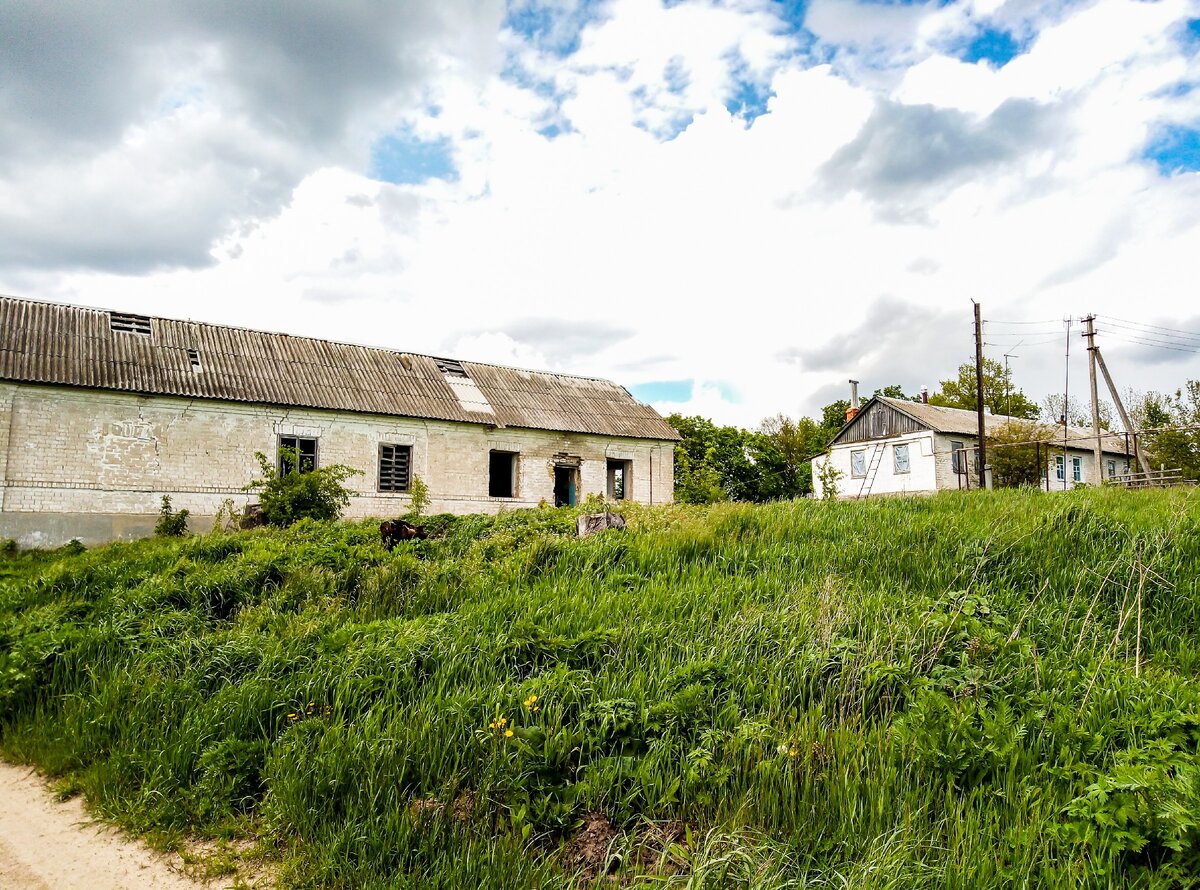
(94, 464)
(922, 475)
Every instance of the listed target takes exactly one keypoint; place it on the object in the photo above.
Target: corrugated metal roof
(74, 346)
(959, 421)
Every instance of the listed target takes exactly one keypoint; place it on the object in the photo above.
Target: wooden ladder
(864, 490)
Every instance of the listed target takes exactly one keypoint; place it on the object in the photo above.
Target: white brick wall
(76, 451)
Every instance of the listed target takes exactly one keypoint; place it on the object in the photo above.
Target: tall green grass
(983, 690)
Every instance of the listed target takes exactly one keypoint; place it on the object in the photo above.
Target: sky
(730, 207)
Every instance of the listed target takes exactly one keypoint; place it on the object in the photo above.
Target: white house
(893, 446)
(102, 413)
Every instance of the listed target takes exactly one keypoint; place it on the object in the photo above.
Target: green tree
(999, 394)
(712, 463)
(1170, 428)
(782, 450)
(1014, 454)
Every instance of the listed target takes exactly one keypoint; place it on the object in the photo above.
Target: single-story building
(103, 412)
(893, 446)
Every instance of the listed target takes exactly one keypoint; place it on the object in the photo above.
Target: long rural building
(894, 446)
(103, 412)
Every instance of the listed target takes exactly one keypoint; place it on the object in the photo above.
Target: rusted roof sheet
(74, 346)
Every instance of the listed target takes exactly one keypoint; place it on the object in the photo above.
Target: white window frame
(1077, 469)
(862, 453)
(1060, 468)
(896, 450)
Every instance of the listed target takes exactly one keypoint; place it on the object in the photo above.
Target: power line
(1155, 326)
(1043, 321)
(1145, 332)
(1154, 344)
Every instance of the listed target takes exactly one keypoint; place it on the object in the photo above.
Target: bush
(171, 524)
(292, 495)
(419, 492)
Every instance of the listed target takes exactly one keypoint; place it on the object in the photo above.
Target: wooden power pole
(979, 394)
(1090, 335)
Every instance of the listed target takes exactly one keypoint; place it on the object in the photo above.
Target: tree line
(774, 461)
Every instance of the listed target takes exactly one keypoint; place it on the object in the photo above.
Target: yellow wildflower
(508, 733)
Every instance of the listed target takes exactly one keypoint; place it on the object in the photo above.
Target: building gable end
(878, 420)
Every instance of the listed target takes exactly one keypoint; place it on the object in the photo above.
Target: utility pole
(979, 394)
(1090, 335)
(1007, 395)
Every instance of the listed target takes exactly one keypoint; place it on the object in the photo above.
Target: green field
(970, 690)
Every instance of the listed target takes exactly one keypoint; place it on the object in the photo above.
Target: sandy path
(50, 845)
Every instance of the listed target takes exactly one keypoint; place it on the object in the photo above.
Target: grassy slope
(932, 692)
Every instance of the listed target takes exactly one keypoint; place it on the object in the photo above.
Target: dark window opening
(124, 323)
(620, 479)
(502, 474)
(297, 453)
(450, 367)
(565, 486)
(395, 467)
(194, 358)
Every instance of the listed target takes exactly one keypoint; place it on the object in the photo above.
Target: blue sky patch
(549, 28)
(992, 45)
(663, 391)
(403, 159)
(749, 101)
(1192, 30)
(1175, 149)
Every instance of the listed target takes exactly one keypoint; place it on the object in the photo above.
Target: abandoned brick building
(102, 413)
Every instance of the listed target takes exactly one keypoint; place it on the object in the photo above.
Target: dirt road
(50, 845)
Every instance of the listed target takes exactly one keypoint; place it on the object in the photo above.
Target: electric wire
(1155, 326)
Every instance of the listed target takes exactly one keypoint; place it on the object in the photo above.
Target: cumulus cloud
(134, 135)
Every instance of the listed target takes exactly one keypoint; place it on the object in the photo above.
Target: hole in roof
(194, 358)
(450, 367)
(124, 323)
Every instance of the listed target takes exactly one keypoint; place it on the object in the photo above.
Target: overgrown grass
(983, 690)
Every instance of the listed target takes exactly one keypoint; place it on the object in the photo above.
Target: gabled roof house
(893, 446)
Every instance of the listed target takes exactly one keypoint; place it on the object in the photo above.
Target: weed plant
(969, 690)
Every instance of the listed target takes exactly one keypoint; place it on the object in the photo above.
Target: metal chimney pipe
(854, 394)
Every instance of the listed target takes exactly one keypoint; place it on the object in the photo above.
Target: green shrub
(171, 523)
(292, 495)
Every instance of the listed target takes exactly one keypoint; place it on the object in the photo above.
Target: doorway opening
(565, 486)
(619, 479)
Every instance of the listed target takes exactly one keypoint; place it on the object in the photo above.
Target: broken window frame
(305, 463)
(386, 481)
(615, 466)
(1112, 469)
(899, 466)
(957, 463)
(858, 456)
(513, 472)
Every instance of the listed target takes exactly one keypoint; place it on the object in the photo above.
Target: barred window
(395, 467)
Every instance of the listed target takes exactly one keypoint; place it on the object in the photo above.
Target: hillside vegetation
(983, 690)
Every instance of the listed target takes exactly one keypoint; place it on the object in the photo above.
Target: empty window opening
(957, 463)
(620, 479)
(194, 359)
(566, 486)
(502, 474)
(450, 367)
(1112, 469)
(297, 453)
(858, 464)
(395, 467)
(124, 323)
(900, 458)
